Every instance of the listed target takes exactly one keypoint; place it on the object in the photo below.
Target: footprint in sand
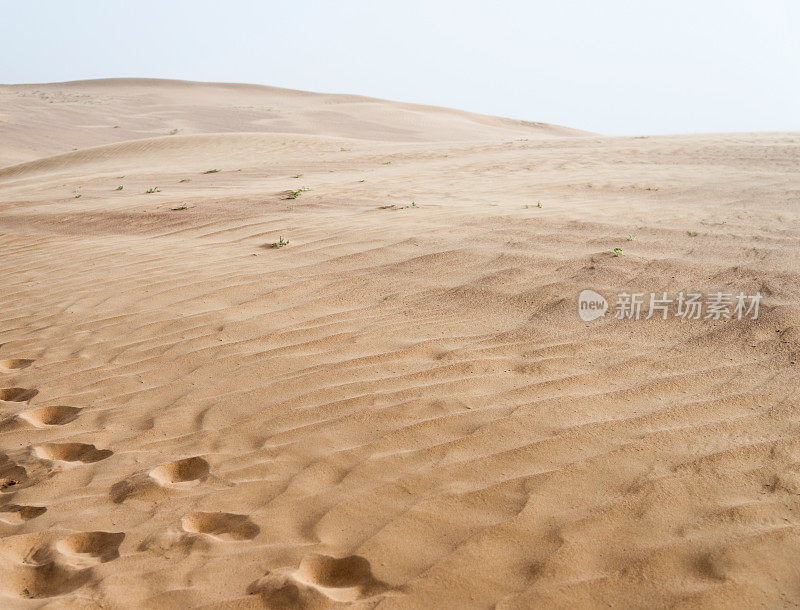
(340, 578)
(13, 364)
(319, 580)
(17, 394)
(71, 452)
(56, 415)
(91, 547)
(189, 470)
(225, 526)
(156, 484)
(173, 543)
(14, 514)
(11, 473)
(138, 486)
(30, 570)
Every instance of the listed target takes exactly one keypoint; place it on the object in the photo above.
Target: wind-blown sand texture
(400, 408)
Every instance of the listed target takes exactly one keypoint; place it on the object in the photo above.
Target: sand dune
(401, 407)
(42, 120)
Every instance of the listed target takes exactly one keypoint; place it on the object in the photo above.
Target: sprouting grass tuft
(616, 252)
(631, 236)
(153, 189)
(297, 193)
(180, 207)
(280, 243)
(173, 132)
(119, 188)
(211, 171)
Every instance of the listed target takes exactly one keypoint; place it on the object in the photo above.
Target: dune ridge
(46, 119)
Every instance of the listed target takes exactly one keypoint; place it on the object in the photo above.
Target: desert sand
(400, 408)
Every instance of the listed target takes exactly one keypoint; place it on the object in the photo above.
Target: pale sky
(615, 67)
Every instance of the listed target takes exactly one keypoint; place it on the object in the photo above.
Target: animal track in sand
(11, 473)
(221, 525)
(319, 581)
(341, 579)
(333, 572)
(96, 547)
(43, 580)
(71, 452)
(187, 470)
(172, 543)
(15, 363)
(30, 570)
(137, 486)
(14, 514)
(17, 394)
(56, 415)
(281, 591)
(155, 485)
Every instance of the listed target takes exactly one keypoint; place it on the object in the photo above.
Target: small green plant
(413, 204)
(119, 188)
(364, 180)
(173, 132)
(538, 204)
(297, 193)
(617, 252)
(185, 180)
(211, 171)
(297, 176)
(631, 236)
(182, 206)
(116, 126)
(280, 243)
(77, 195)
(153, 189)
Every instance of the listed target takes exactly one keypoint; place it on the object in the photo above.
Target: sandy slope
(42, 120)
(401, 408)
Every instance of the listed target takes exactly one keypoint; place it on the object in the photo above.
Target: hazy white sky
(613, 66)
